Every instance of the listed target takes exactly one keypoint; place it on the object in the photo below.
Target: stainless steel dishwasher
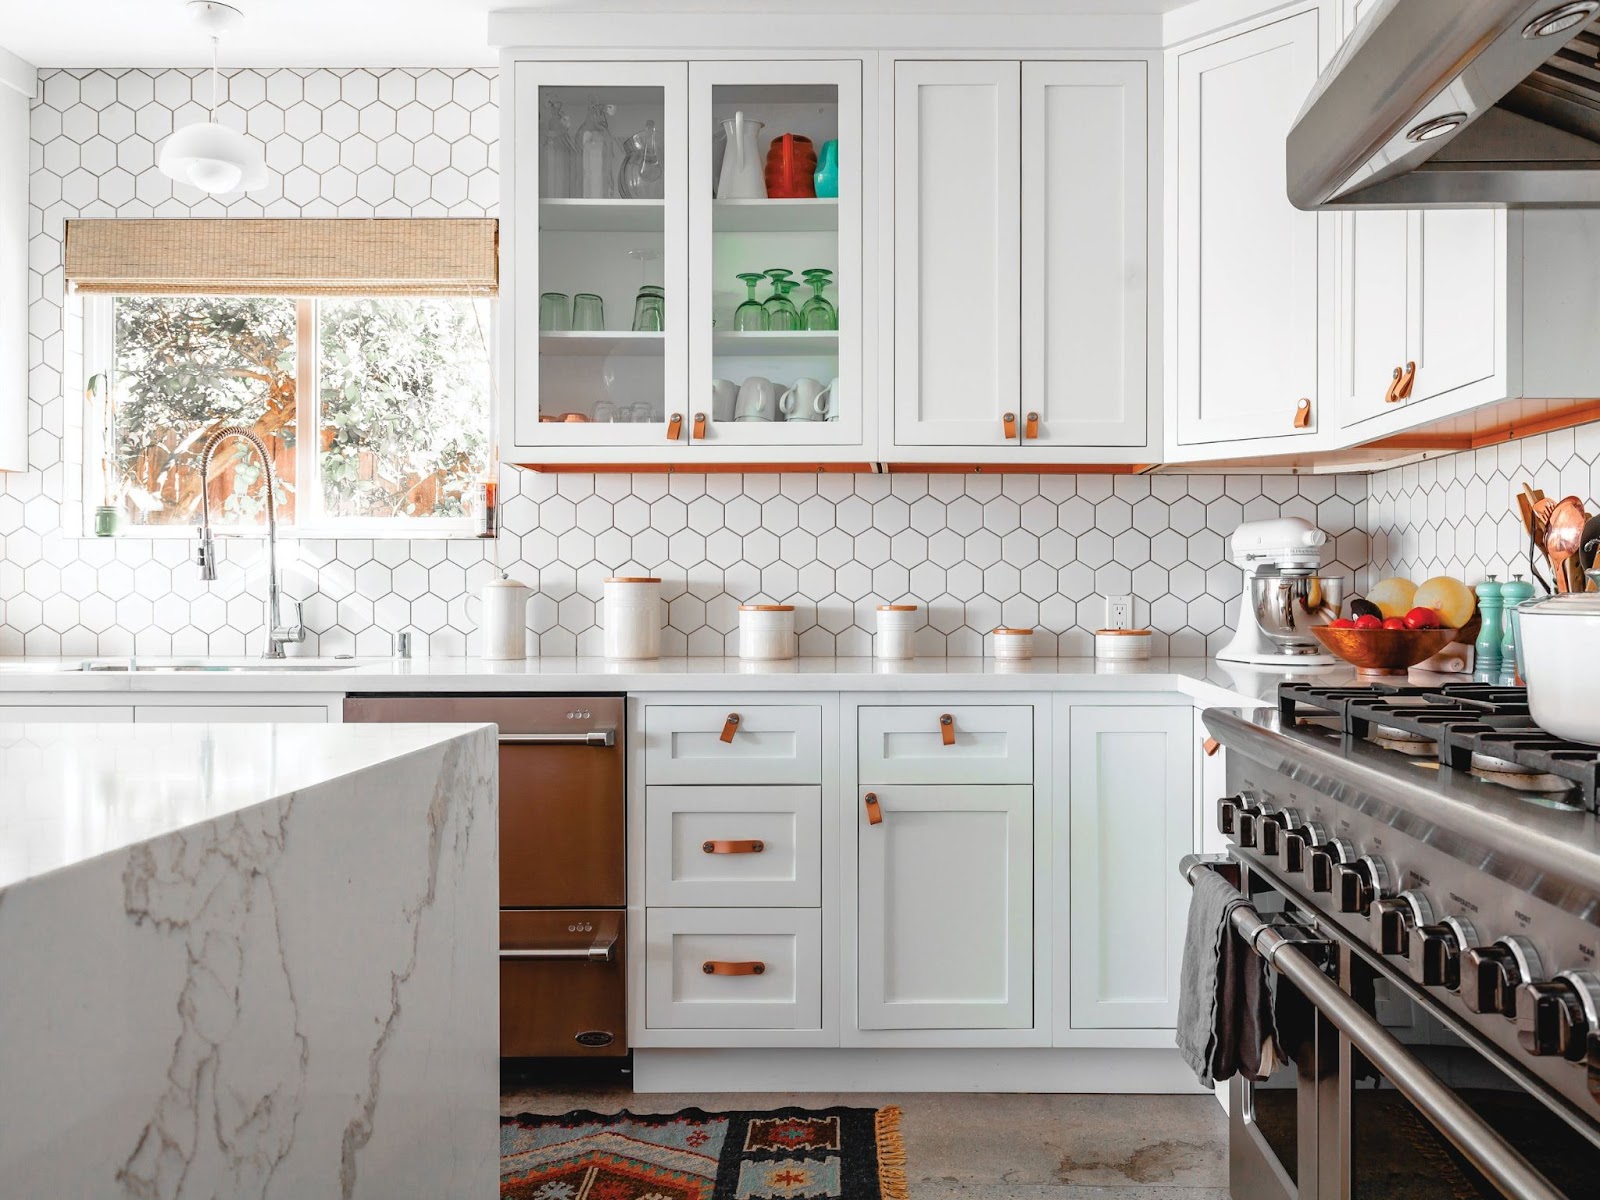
(563, 840)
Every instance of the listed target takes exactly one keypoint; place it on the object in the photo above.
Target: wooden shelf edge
(1579, 411)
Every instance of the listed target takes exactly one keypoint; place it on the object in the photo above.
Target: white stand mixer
(1283, 594)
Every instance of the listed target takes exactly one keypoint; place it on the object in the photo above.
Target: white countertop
(75, 792)
(1206, 680)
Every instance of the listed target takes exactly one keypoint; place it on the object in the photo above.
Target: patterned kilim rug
(785, 1154)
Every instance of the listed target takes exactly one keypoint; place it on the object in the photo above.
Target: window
(375, 409)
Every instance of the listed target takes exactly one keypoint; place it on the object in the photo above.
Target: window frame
(99, 358)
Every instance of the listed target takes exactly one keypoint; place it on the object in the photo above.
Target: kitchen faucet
(278, 634)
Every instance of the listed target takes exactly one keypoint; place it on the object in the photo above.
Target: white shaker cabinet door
(946, 908)
(1249, 275)
(1132, 819)
(1085, 270)
(1459, 308)
(1376, 285)
(957, 255)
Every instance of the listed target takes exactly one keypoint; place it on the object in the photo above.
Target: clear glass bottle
(557, 153)
(641, 175)
(599, 154)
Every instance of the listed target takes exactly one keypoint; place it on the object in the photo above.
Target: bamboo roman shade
(411, 256)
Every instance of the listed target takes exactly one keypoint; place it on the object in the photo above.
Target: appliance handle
(601, 950)
(593, 737)
(1504, 1166)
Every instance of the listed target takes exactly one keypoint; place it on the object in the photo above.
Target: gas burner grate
(1460, 719)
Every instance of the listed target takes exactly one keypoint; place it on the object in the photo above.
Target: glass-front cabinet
(686, 249)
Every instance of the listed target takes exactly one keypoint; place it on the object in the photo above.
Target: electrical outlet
(1119, 612)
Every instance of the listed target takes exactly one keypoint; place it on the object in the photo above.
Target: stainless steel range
(1424, 873)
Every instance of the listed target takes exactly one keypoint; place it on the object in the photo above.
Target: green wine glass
(751, 316)
(816, 313)
(783, 316)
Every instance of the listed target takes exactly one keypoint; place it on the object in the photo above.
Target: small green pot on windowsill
(107, 520)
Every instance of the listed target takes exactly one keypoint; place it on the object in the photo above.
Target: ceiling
(341, 33)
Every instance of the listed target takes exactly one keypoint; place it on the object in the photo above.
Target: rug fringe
(892, 1183)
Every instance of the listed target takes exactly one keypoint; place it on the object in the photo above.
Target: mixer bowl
(1287, 607)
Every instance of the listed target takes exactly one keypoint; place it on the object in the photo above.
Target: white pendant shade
(213, 158)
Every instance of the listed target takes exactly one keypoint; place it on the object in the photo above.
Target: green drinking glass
(751, 316)
(588, 312)
(782, 315)
(816, 313)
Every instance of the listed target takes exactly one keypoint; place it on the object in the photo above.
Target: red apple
(1342, 623)
(1394, 623)
(1422, 618)
(1368, 621)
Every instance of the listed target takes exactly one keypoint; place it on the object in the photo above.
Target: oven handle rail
(594, 737)
(1500, 1162)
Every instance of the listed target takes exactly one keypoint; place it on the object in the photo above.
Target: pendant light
(208, 154)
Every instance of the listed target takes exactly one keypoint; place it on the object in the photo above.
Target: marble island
(248, 960)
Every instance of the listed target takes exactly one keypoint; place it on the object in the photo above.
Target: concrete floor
(985, 1147)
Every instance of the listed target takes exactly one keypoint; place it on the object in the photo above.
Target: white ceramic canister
(632, 617)
(897, 629)
(504, 623)
(766, 631)
(1122, 645)
(1010, 643)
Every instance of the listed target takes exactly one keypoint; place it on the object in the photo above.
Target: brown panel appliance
(562, 863)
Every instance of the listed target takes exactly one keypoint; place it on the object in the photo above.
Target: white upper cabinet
(1252, 283)
(957, 255)
(1085, 269)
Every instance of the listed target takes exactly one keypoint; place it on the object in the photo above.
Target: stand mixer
(1283, 594)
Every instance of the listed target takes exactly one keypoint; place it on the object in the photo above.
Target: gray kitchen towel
(1218, 1008)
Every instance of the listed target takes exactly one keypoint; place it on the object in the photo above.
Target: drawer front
(770, 743)
(563, 983)
(777, 952)
(748, 847)
(990, 743)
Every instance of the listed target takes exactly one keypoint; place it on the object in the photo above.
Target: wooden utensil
(1563, 539)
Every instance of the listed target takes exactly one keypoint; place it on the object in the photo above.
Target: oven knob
(1356, 885)
(1298, 844)
(1394, 918)
(1320, 863)
(1435, 952)
(1554, 1018)
(1274, 826)
(1229, 808)
(1247, 826)
(1490, 975)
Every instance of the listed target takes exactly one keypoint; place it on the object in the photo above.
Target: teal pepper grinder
(827, 173)
(1490, 599)
(1511, 595)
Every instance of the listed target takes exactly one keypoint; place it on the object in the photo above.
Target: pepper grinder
(1511, 595)
(1489, 608)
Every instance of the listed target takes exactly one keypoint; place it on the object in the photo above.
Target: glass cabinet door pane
(776, 210)
(605, 292)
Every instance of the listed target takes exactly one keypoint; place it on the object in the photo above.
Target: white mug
(756, 401)
(504, 623)
(724, 396)
(807, 400)
(833, 399)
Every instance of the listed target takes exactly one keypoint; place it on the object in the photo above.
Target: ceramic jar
(505, 619)
(1012, 644)
(632, 617)
(897, 630)
(766, 632)
(1122, 645)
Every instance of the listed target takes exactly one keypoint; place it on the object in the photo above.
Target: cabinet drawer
(771, 743)
(733, 846)
(778, 949)
(993, 743)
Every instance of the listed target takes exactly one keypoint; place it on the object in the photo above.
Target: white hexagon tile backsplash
(977, 550)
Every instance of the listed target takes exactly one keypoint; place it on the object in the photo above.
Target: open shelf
(804, 215)
(597, 344)
(798, 342)
(602, 216)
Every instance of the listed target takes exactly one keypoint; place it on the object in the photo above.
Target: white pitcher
(743, 173)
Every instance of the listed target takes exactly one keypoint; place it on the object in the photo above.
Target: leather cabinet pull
(714, 967)
(947, 729)
(1210, 746)
(717, 846)
(1392, 396)
(1009, 424)
(874, 809)
(698, 432)
(674, 427)
(1302, 413)
(1031, 429)
(729, 726)
(1407, 382)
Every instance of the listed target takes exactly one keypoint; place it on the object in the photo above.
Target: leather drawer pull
(1031, 429)
(733, 968)
(729, 726)
(755, 846)
(698, 433)
(1407, 382)
(874, 809)
(1008, 423)
(1210, 746)
(1392, 396)
(674, 427)
(947, 729)
(1302, 414)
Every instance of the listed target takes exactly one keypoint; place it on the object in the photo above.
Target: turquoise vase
(827, 176)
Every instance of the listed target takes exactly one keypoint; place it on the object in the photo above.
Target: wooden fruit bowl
(1376, 653)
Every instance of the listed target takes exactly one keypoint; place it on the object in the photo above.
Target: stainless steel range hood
(1454, 103)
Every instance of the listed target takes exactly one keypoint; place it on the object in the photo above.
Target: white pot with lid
(1558, 639)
